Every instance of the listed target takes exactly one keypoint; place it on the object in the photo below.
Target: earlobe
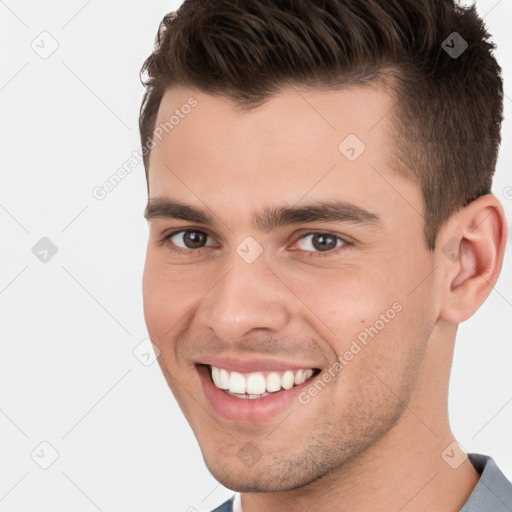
(471, 251)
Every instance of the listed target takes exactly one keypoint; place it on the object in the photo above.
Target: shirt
(493, 492)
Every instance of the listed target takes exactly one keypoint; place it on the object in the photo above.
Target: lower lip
(248, 410)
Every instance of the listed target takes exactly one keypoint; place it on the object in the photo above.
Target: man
(321, 220)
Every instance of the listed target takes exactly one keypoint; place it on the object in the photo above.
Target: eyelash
(166, 240)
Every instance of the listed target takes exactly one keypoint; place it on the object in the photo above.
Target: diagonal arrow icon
(44, 455)
(454, 45)
(351, 147)
(249, 249)
(44, 250)
(451, 454)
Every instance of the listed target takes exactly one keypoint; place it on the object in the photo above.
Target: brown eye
(320, 242)
(188, 239)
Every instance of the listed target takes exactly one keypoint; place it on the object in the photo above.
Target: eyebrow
(270, 217)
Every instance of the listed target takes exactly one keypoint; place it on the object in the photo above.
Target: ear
(470, 255)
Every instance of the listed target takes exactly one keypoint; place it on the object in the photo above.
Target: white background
(68, 375)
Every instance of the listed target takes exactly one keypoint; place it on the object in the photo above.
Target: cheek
(167, 298)
(384, 354)
(345, 300)
(368, 315)
(172, 294)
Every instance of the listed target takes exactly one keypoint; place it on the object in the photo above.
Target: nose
(248, 297)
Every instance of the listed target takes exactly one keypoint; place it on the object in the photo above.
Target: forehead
(302, 144)
(304, 121)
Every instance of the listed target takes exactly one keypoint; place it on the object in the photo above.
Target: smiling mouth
(258, 384)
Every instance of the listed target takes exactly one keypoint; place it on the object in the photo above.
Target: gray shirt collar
(493, 492)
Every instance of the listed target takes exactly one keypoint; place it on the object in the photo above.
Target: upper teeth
(257, 383)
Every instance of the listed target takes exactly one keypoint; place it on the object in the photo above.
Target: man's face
(345, 292)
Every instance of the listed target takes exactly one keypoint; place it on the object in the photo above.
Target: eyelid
(305, 232)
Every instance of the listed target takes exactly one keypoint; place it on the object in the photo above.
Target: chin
(273, 476)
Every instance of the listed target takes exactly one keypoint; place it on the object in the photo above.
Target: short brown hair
(448, 111)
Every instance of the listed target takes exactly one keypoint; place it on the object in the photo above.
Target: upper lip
(245, 365)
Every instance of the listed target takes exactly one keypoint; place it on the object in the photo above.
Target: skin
(372, 439)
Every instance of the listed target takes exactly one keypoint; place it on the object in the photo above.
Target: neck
(409, 469)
